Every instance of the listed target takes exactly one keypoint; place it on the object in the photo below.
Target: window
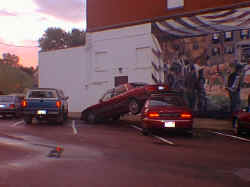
(215, 51)
(215, 37)
(228, 36)
(173, 4)
(195, 46)
(108, 95)
(244, 34)
(120, 89)
(167, 101)
(229, 50)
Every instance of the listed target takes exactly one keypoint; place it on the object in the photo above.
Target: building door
(121, 80)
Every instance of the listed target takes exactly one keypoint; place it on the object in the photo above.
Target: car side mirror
(100, 100)
(66, 98)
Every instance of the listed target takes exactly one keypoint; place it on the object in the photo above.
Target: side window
(107, 96)
(119, 90)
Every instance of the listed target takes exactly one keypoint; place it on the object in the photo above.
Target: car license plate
(2, 106)
(41, 112)
(169, 124)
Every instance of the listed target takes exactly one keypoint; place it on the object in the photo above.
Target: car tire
(134, 106)
(28, 120)
(91, 117)
(145, 131)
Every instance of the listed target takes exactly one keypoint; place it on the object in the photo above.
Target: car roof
(170, 92)
(43, 89)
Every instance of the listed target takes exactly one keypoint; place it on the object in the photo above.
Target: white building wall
(85, 73)
(64, 69)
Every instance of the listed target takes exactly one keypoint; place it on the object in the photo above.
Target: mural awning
(203, 24)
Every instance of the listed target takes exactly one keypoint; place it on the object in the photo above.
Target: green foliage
(13, 79)
(56, 38)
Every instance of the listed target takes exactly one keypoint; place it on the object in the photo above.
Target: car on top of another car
(123, 99)
(166, 111)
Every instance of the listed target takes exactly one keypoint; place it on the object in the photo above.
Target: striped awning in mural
(203, 24)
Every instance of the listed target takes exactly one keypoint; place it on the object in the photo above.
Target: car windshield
(167, 101)
(43, 94)
(6, 98)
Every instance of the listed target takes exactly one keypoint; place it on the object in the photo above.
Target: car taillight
(58, 104)
(12, 106)
(153, 114)
(24, 103)
(186, 115)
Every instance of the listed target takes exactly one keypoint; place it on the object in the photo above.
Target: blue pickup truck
(45, 104)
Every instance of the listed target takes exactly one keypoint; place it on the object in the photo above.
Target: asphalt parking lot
(117, 154)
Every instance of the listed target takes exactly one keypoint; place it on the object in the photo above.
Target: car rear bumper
(8, 111)
(167, 124)
(48, 115)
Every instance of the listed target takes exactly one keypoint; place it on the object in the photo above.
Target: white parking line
(232, 136)
(164, 140)
(17, 123)
(138, 128)
(158, 137)
(74, 127)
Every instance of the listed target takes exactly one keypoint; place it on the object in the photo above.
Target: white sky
(23, 22)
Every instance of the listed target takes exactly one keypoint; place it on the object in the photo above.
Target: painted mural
(207, 56)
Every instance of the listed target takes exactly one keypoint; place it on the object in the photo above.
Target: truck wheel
(134, 106)
(28, 120)
(60, 119)
(65, 116)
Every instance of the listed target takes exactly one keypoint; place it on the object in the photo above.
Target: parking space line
(17, 123)
(138, 128)
(157, 137)
(74, 127)
(164, 140)
(232, 136)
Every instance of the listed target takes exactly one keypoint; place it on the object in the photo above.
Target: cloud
(67, 10)
(6, 13)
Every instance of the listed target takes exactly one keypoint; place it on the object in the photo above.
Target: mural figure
(235, 81)
(201, 92)
(190, 87)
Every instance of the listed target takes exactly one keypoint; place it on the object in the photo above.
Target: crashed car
(123, 99)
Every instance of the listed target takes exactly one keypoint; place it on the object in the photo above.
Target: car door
(120, 99)
(105, 106)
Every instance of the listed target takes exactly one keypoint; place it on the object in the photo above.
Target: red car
(125, 98)
(241, 121)
(166, 111)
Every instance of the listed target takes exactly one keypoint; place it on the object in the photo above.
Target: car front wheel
(91, 117)
(134, 106)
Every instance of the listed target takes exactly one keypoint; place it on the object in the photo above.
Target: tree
(10, 59)
(77, 38)
(56, 38)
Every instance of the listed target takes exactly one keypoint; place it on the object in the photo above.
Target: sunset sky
(23, 22)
